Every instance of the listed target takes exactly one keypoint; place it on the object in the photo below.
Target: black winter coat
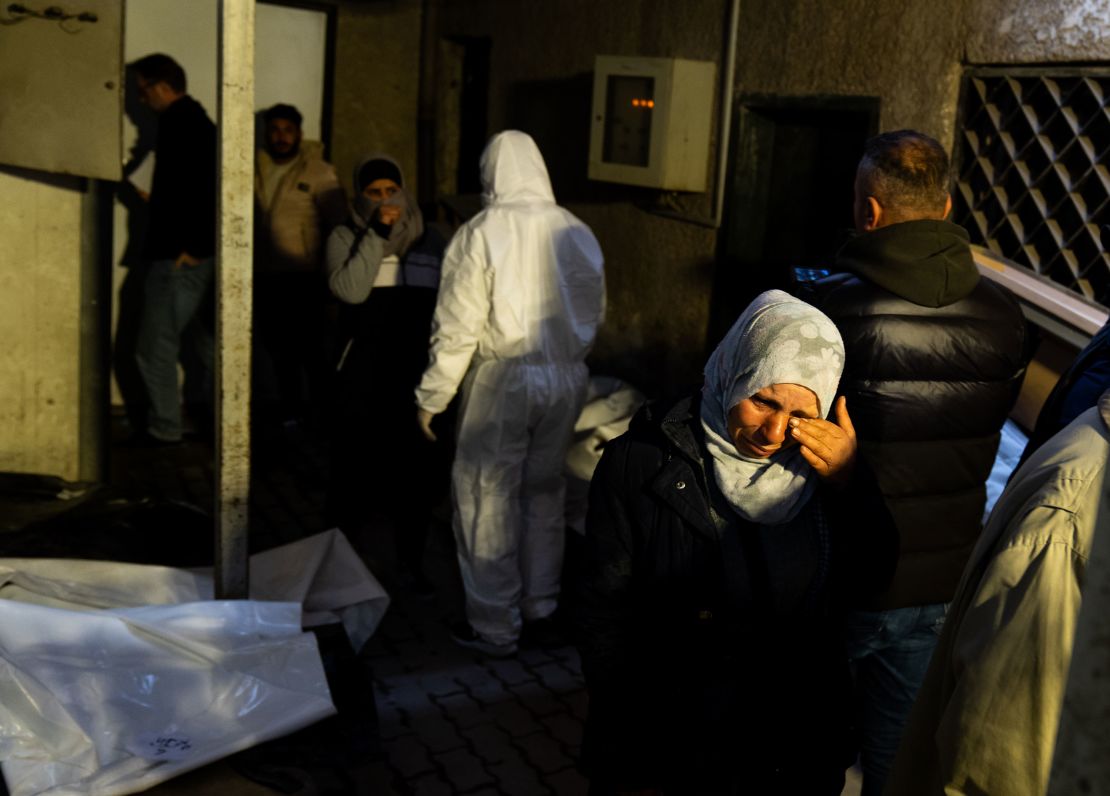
(710, 644)
(934, 359)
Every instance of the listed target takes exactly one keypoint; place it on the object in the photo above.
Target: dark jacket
(183, 189)
(710, 644)
(935, 356)
(1078, 389)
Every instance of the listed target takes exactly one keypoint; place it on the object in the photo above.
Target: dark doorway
(790, 193)
(556, 113)
(473, 111)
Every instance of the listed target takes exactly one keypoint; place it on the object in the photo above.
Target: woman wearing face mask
(383, 264)
(720, 541)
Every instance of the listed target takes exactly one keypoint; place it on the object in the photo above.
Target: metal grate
(1033, 181)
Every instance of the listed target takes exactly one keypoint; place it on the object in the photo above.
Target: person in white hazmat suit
(521, 297)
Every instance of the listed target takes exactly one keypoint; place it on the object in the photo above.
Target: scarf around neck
(777, 340)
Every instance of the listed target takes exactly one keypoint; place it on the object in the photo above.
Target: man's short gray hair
(907, 173)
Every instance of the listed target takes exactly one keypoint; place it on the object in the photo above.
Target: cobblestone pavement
(453, 721)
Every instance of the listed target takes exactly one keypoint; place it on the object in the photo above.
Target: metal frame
(1050, 304)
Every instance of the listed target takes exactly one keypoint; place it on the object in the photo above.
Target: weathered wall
(377, 83)
(904, 51)
(40, 314)
(1037, 31)
(908, 53)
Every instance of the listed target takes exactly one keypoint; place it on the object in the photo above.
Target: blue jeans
(890, 653)
(171, 299)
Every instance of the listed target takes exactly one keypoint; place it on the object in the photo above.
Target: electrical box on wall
(651, 122)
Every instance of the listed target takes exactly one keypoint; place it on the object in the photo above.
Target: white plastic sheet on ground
(114, 677)
(116, 701)
(322, 572)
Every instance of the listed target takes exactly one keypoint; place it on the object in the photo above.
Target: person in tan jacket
(986, 717)
(298, 200)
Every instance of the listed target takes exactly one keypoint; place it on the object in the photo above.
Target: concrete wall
(908, 53)
(40, 323)
(1035, 31)
(903, 51)
(377, 84)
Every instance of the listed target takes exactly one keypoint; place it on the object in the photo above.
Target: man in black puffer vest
(935, 355)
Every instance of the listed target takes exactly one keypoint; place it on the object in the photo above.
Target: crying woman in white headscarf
(726, 534)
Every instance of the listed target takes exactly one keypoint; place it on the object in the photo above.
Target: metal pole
(233, 295)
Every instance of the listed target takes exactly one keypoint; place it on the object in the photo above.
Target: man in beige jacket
(986, 717)
(298, 200)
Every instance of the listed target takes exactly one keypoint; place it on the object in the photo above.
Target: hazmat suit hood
(513, 171)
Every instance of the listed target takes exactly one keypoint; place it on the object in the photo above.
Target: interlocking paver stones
(437, 733)
(559, 679)
(490, 742)
(409, 756)
(409, 698)
(569, 657)
(538, 699)
(391, 721)
(565, 728)
(432, 785)
(544, 753)
(440, 684)
(472, 675)
(463, 710)
(568, 783)
(518, 778)
(514, 719)
(533, 657)
(509, 671)
(464, 770)
(488, 690)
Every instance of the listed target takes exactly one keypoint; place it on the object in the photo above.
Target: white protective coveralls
(521, 298)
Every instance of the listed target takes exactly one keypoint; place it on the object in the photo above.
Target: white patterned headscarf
(777, 340)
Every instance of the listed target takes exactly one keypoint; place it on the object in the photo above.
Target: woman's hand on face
(829, 447)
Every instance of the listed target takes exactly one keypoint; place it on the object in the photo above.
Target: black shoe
(543, 633)
(463, 635)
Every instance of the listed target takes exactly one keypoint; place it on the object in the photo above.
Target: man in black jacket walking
(180, 242)
(935, 355)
